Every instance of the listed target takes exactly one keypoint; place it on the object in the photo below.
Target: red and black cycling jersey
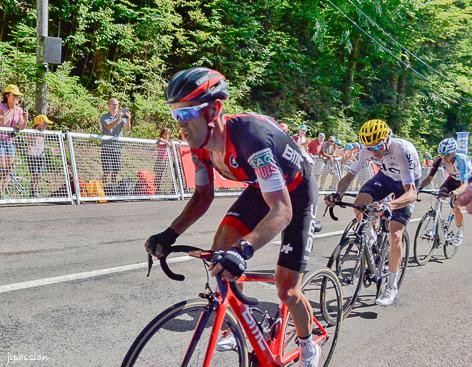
(257, 152)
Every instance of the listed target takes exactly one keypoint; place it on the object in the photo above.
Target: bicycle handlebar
(437, 195)
(179, 277)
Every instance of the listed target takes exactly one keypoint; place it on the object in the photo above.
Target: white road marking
(119, 269)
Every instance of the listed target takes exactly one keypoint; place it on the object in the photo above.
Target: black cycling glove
(232, 260)
(333, 198)
(165, 239)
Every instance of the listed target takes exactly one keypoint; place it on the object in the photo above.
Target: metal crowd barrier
(38, 170)
(186, 174)
(106, 168)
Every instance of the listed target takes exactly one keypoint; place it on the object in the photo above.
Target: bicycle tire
(348, 228)
(354, 276)
(180, 314)
(448, 248)
(422, 259)
(319, 280)
(403, 264)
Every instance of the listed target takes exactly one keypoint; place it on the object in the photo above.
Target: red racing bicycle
(186, 333)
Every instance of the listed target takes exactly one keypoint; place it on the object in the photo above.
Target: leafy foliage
(329, 63)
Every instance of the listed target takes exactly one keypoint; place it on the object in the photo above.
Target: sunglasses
(188, 113)
(376, 148)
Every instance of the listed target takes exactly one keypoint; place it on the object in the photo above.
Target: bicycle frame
(268, 355)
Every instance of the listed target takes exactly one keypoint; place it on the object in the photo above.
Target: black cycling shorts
(380, 186)
(297, 239)
(450, 184)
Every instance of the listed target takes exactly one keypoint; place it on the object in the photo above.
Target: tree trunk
(4, 24)
(394, 90)
(352, 68)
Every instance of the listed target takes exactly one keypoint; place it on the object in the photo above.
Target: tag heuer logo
(261, 158)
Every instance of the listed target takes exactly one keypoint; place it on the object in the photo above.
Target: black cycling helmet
(197, 85)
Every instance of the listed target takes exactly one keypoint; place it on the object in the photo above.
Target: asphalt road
(92, 321)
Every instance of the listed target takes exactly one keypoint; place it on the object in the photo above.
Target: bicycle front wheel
(179, 336)
(346, 262)
(425, 239)
(323, 290)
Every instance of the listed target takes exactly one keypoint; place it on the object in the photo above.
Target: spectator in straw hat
(36, 152)
(11, 115)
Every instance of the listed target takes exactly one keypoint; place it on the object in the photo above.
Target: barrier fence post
(74, 167)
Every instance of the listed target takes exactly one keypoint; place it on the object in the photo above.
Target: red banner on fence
(189, 173)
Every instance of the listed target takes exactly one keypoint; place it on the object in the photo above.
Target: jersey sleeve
(203, 167)
(360, 163)
(260, 153)
(463, 167)
(435, 167)
(408, 166)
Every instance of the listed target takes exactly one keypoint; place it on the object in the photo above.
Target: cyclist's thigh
(449, 185)
(376, 189)
(404, 214)
(243, 216)
(297, 238)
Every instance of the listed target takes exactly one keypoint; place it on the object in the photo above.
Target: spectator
(338, 150)
(348, 154)
(428, 160)
(300, 137)
(284, 126)
(113, 123)
(328, 148)
(314, 147)
(11, 115)
(356, 148)
(163, 144)
(36, 153)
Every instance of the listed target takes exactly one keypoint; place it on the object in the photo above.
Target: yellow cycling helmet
(373, 132)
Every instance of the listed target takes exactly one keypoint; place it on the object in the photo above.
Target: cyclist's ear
(215, 109)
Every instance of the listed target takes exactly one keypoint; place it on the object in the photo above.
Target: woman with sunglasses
(459, 170)
(399, 174)
(281, 195)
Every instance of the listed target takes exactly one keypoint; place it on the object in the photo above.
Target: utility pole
(42, 32)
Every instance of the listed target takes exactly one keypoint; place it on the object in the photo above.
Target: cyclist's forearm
(194, 210)
(426, 181)
(406, 199)
(344, 183)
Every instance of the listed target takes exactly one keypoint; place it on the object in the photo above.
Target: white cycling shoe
(387, 297)
(457, 239)
(226, 342)
(314, 361)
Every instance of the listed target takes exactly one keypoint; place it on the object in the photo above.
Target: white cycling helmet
(447, 146)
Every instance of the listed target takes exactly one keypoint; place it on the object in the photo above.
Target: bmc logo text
(253, 326)
(293, 156)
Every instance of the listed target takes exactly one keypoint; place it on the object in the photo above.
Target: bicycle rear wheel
(179, 336)
(425, 239)
(346, 262)
(323, 290)
(449, 249)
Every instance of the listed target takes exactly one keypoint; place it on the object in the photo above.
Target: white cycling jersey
(400, 163)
